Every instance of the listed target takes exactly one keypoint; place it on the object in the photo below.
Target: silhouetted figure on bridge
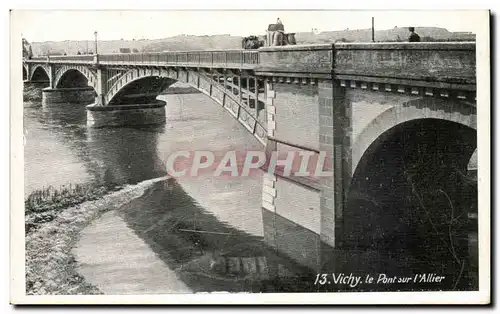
(413, 36)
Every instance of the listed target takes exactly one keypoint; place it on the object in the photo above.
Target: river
(191, 234)
(208, 231)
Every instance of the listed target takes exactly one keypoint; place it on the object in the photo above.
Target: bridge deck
(443, 65)
(242, 59)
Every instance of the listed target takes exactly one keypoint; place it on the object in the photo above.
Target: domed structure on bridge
(276, 35)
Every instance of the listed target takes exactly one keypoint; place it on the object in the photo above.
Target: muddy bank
(50, 265)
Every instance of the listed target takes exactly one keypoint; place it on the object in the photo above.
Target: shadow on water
(126, 155)
(207, 254)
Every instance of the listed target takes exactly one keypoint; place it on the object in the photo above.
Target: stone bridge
(397, 122)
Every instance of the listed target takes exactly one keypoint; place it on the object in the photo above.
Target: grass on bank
(51, 268)
(44, 204)
(50, 265)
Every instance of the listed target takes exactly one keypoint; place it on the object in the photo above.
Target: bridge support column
(101, 87)
(334, 140)
(303, 215)
(81, 95)
(126, 115)
(52, 75)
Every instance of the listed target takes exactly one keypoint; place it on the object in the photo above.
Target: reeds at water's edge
(50, 265)
(43, 205)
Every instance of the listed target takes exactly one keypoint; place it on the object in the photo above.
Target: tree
(27, 52)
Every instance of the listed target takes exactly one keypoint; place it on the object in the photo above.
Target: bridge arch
(40, 73)
(142, 89)
(68, 76)
(411, 193)
(151, 82)
(426, 108)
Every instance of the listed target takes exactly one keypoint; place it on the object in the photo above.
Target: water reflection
(208, 254)
(209, 230)
(55, 149)
(125, 155)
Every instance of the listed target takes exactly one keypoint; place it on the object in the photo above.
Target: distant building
(125, 50)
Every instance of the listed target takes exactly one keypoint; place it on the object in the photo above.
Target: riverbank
(43, 205)
(131, 155)
(50, 266)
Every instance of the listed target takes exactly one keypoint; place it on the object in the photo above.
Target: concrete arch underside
(39, 73)
(460, 112)
(162, 78)
(411, 194)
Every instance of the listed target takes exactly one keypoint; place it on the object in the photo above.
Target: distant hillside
(389, 35)
(190, 42)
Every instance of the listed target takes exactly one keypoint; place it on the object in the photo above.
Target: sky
(50, 25)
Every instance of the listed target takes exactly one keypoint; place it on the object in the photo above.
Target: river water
(188, 234)
(209, 231)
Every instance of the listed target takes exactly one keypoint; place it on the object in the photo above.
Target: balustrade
(197, 58)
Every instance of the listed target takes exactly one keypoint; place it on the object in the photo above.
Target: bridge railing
(38, 58)
(72, 58)
(210, 58)
(238, 58)
(226, 58)
(63, 59)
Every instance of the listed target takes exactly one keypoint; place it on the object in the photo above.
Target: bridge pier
(126, 115)
(68, 95)
(308, 117)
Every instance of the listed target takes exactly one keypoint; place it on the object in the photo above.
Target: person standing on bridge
(413, 36)
(278, 21)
